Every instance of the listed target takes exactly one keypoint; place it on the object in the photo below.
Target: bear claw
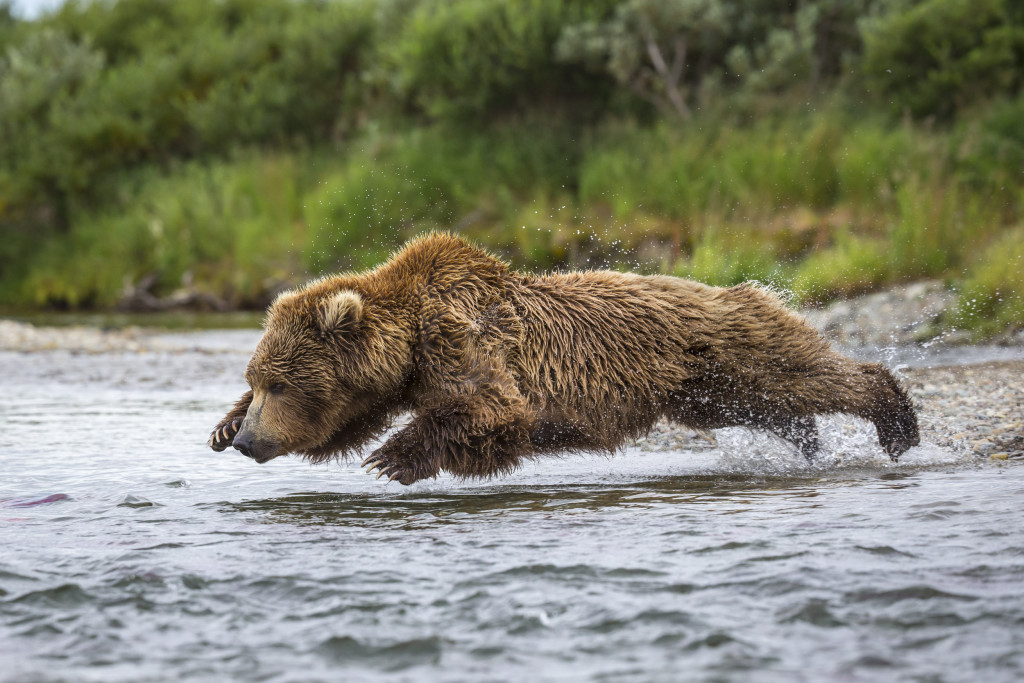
(223, 435)
(393, 471)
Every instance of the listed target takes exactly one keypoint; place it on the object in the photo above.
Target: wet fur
(497, 366)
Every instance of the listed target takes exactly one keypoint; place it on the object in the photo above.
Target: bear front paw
(224, 434)
(390, 467)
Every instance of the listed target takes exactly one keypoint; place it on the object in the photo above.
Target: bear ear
(340, 311)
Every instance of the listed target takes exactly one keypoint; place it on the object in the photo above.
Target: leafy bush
(942, 55)
(775, 163)
(647, 47)
(680, 55)
(992, 297)
(40, 80)
(100, 87)
(474, 58)
(851, 266)
(233, 228)
(989, 150)
(435, 177)
(723, 259)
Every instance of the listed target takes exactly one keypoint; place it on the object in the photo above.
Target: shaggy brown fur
(497, 366)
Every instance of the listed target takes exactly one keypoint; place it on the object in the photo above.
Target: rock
(901, 315)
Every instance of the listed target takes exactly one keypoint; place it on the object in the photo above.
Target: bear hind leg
(870, 391)
(894, 414)
(801, 431)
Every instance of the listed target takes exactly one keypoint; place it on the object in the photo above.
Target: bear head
(328, 368)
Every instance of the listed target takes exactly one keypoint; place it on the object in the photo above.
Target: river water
(128, 551)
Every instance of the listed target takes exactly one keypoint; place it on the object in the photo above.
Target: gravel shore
(980, 407)
(25, 338)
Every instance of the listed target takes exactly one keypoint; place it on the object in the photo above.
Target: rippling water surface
(130, 552)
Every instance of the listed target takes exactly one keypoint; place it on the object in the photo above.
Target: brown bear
(496, 366)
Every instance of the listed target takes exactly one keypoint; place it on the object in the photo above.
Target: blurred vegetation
(235, 146)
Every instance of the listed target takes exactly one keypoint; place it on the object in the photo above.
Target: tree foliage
(672, 53)
(100, 92)
(648, 47)
(938, 56)
(471, 58)
(99, 87)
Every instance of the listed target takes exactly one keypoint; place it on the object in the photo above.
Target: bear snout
(257, 450)
(243, 444)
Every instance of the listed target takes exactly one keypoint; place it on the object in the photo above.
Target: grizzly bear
(496, 366)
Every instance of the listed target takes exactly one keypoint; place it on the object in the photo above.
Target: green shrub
(687, 55)
(478, 182)
(725, 258)
(100, 87)
(746, 171)
(992, 296)
(853, 265)
(40, 81)
(481, 58)
(358, 215)
(233, 228)
(940, 55)
(989, 150)
(874, 157)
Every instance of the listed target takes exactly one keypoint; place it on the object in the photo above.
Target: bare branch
(647, 94)
(669, 76)
(672, 82)
(680, 59)
(656, 58)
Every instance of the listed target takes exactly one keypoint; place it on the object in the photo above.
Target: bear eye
(277, 388)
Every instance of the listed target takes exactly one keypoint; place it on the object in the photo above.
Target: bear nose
(243, 444)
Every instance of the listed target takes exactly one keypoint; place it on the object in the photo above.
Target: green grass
(992, 294)
(485, 185)
(232, 228)
(824, 204)
(809, 160)
(852, 265)
(726, 258)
